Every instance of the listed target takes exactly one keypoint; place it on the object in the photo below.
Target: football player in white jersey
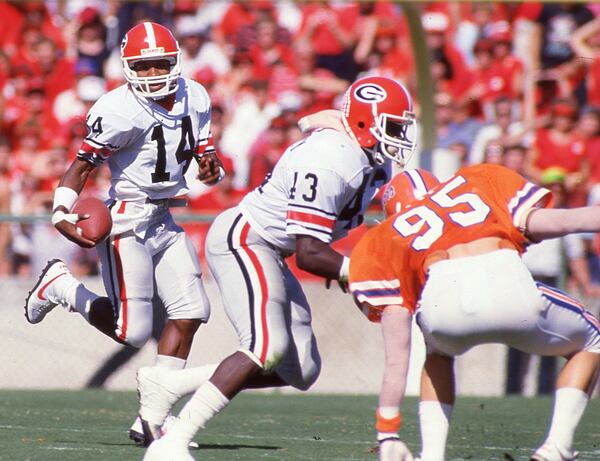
(148, 131)
(318, 190)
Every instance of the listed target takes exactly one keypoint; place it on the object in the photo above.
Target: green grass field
(93, 425)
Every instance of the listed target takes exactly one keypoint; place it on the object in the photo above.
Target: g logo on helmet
(369, 92)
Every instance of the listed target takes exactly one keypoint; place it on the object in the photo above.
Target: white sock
(190, 379)
(569, 406)
(78, 297)
(62, 285)
(434, 422)
(170, 362)
(206, 402)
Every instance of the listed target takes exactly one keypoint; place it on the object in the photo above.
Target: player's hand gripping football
(209, 169)
(393, 449)
(66, 224)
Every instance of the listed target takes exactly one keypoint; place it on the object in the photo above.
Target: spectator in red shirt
(35, 116)
(16, 17)
(236, 28)
(387, 54)
(11, 18)
(267, 51)
(586, 44)
(25, 55)
(559, 145)
(476, 22)
(314, 87)
(588, 126)
(382, 33)
(332, 37)
(506, 62)
(436, 27)
(58, 73)
(490, 79)
(443, 76)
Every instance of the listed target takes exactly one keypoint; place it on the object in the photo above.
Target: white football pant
(492, 298)
(156, 253)
(263, 300)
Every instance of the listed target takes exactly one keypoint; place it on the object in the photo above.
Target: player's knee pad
(134, 327)
(190, 300)
(308, 376)
(276, 350)
(300, 370)
(310, 369)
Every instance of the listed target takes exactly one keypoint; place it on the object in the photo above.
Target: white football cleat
(167, 450)
(42, 298)
(550, 452)
(156, 399)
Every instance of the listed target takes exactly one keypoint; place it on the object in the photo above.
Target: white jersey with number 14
(148, 148)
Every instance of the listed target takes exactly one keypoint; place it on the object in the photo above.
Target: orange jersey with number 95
(479, 201)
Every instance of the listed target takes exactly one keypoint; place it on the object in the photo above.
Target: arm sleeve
(314, 200)
(107, 132)
(520, 195)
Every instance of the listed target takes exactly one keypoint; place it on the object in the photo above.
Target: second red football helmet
(406, 187)
(378, 113)
(151, 41)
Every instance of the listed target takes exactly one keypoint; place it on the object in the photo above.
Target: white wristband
(344, 270)
(387, 436)
(64, 196)
(60, 215)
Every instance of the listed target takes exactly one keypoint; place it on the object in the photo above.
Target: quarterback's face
(152, 68)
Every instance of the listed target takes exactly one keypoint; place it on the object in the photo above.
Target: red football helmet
(151, 41)
(378, 113)
(406, 187)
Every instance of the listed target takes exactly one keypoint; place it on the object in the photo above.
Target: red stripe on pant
(264, 290)
(121, 279)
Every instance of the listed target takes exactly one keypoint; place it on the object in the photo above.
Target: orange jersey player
(478, 202)
(451, 254)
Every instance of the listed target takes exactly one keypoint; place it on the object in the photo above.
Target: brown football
(97, 227)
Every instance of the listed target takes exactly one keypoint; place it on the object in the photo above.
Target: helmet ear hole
(361, 125)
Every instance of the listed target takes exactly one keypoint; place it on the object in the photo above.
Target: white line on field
(102, 450)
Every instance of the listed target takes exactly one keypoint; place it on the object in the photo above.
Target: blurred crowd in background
(515, 83)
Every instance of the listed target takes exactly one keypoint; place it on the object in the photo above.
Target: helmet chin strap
(374, 154)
